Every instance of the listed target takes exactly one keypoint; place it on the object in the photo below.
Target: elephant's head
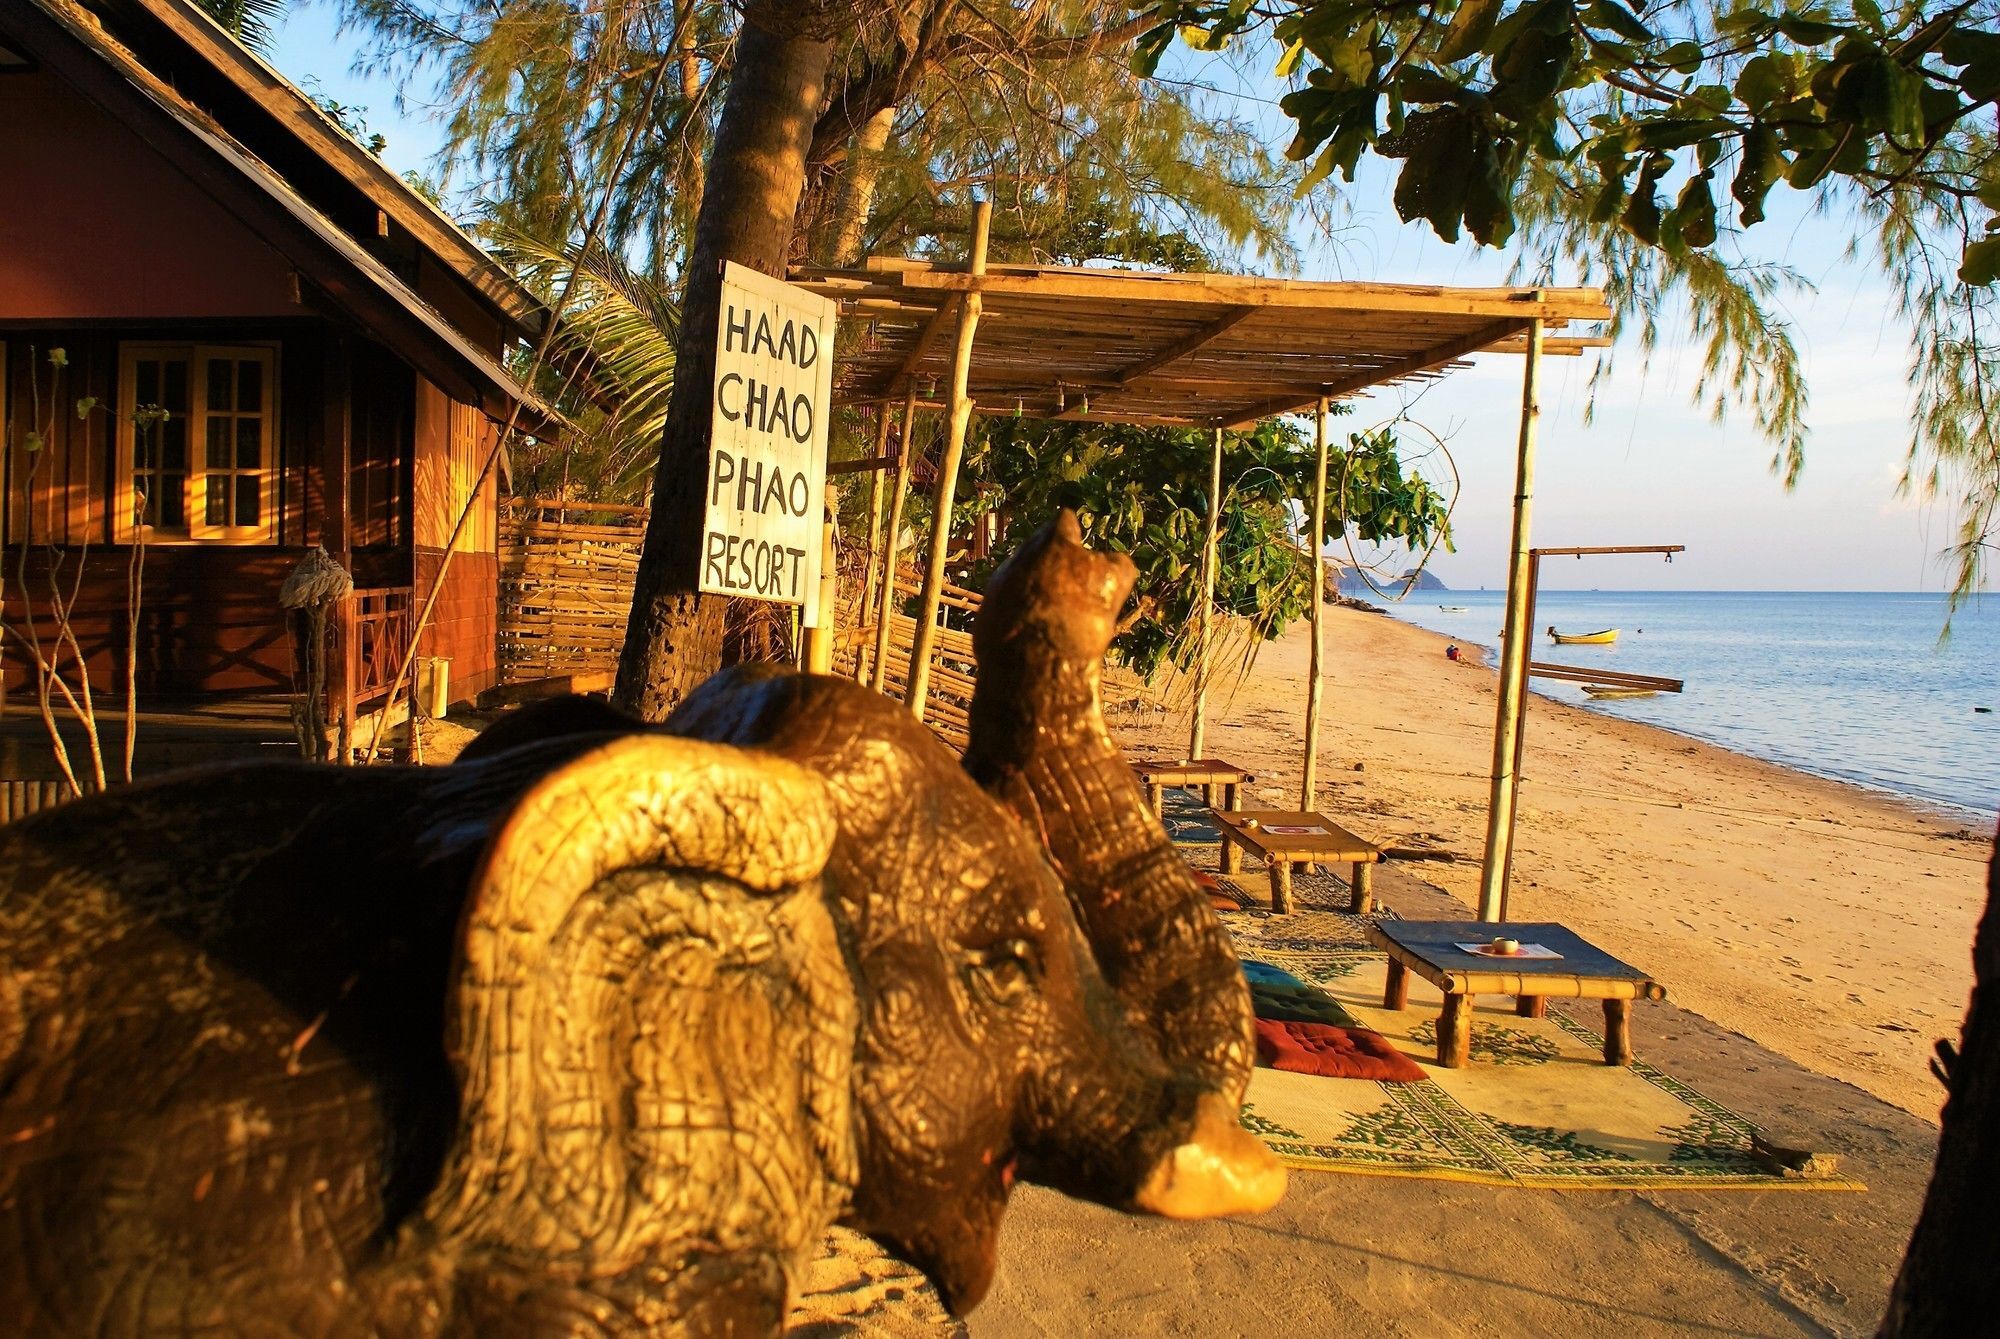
(989, 1039)
(652, 1025)
(560, 1041)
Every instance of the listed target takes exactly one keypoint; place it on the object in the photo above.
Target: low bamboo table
(1584, 971)
(1250, 830)
(1208, 773)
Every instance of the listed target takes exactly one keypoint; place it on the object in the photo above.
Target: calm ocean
(1854, 686)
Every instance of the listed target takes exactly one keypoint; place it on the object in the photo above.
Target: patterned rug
(1536, 1107)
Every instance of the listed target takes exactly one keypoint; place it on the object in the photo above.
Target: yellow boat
(1604, 638)
(1606, 690)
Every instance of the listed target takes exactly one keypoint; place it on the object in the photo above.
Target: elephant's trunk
(1040, 745)
(1109, 1120)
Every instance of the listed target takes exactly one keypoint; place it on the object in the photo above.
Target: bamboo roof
(1185, 350)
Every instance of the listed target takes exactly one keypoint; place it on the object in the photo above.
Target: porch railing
(379, 638)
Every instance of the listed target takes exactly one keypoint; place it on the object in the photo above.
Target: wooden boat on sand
(1609, 690)
(1603, 638)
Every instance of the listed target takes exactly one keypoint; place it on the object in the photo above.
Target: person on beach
(1451, 652)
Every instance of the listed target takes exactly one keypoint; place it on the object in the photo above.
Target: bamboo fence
(566, 576)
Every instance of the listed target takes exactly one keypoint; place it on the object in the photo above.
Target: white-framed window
(208, 470)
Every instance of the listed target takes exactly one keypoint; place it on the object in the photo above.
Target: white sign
(773, 395)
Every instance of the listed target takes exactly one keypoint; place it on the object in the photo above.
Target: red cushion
(1222, 899)
(1332, 1052)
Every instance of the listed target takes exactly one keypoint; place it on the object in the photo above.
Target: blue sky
(1649, 468)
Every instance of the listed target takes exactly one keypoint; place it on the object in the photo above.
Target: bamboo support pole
(870, 562)
(947, 484)
(1514, 650)
(1205, 610)
(1309, 774)
(885, 612)
(1520, 725)
(818, 641)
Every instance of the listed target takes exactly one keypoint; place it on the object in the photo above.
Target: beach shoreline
(1826, 920)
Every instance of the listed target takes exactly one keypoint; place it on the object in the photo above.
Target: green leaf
(1867, 88)
(1978, 52)
(1683, 57)
(1610, 14)
(1981, 265)
(1809, 168)
(1419, 83)
(1941, 107)
(1743, 22)
(1532, 67)
(1758, 170)
(1288, 60)
(1440, 147)
(1202, 39)
(1694, 213)
(1809, 32)
(1642, 213)
(33, 441)
(1677, 133)
(1152, 45)
(1764, 79)
(1471, 25)
(1610, 197)
(85, 405)
(1489, 207)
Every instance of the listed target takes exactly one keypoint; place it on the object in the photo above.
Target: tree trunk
(864, 169)
(1950, 1280)
(755, 173)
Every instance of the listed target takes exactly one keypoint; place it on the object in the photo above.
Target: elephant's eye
(1003, 971)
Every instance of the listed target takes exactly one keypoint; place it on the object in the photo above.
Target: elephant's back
(218, 998)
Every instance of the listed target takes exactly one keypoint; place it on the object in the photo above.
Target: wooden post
(337, 534)
(1362, 887)
(1309, 774)
(1618, 1032)
(1396, 988)
(1520, 730)
(887, 610)
(1281, 884)
(947, 484)
(861, 663)
(1205, 610)
(1455, 1031)
(1514, 651)
(817, 654)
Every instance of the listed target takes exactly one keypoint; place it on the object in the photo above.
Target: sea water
(1855, 686)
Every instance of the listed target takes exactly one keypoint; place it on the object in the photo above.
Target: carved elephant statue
(590, 1033)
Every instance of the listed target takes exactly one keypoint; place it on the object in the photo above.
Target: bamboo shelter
(1206, 351)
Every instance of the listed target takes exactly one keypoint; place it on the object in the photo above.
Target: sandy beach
(1826, 922)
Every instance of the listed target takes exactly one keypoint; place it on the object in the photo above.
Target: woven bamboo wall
(565, 588)
(566, 576)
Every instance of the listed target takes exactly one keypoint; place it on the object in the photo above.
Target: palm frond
(616, 338)
(252, 22)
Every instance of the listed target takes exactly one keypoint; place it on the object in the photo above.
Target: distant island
(1352, 582)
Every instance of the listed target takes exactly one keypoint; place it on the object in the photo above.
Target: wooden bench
(1208, 773)
(1267, 834)
(1583, 971)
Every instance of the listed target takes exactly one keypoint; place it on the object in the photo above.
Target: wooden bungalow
(193, 233)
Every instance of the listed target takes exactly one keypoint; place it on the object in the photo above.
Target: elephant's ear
(652, 1025)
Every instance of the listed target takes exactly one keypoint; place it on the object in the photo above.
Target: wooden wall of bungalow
(157, 295)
